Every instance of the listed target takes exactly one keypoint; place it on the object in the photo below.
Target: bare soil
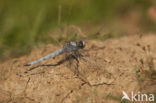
(116, 65)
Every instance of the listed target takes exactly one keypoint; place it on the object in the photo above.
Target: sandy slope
(107, 69)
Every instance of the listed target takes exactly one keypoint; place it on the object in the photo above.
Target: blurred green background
(27, 23)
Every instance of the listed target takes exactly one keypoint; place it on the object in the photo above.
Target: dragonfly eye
(81, 44)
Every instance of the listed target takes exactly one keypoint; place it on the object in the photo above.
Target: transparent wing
(90, 69)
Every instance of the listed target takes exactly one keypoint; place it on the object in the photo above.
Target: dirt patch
(109, 67)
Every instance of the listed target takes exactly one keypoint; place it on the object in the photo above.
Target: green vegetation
(25, 23)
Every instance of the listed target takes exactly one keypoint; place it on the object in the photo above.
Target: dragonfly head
(81, 44)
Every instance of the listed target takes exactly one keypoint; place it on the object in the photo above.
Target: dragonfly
(90, 67)
(67, 47)
(70, 47)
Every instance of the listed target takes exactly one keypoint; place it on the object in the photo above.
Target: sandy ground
(107, 68)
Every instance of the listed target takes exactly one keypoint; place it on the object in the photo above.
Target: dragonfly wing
(72, 63)
(94, 71)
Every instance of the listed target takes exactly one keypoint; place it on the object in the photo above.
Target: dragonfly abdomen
(58, 52)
